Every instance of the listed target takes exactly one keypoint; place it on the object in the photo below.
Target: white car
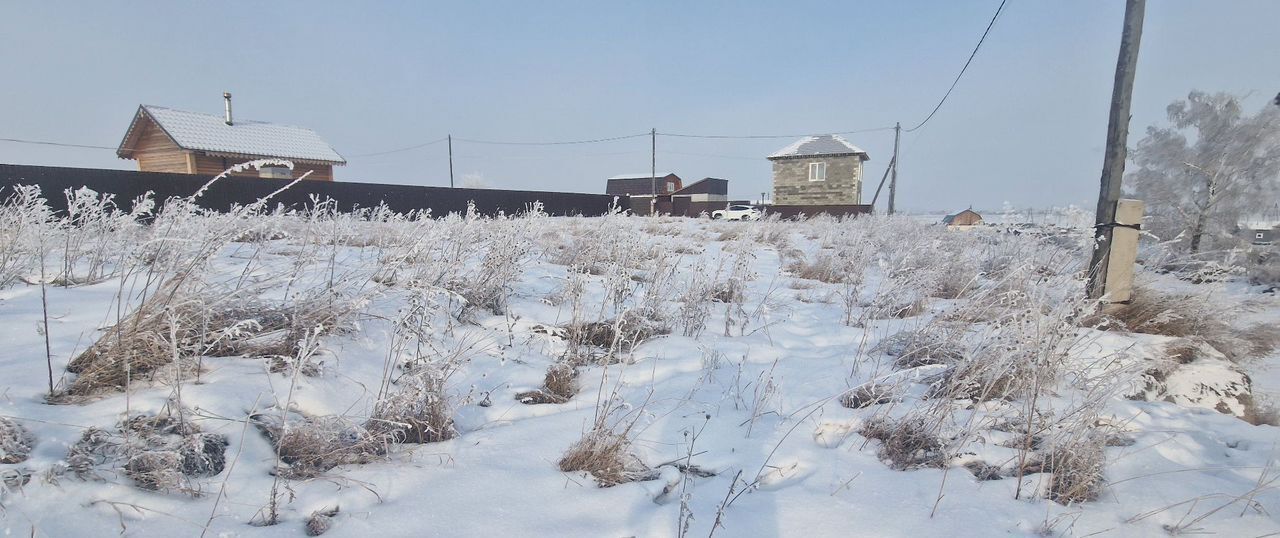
(736, 212)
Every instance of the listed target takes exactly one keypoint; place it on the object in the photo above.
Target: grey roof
(209, 133)
(819, 145)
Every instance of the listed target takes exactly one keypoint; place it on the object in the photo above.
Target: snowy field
(273, 374)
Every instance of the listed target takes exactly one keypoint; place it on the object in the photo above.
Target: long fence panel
(128, 185)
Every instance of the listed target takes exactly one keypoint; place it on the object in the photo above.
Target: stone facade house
(821, 170)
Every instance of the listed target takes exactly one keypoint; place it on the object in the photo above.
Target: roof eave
(862, 154)
(126, 148)
(251, 156)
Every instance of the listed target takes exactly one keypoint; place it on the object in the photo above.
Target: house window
(275, 172)
(817, 171)
(671, 186)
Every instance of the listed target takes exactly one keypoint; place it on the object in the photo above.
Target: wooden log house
(176, 141)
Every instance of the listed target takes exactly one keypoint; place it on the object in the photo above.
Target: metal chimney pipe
(226, 97)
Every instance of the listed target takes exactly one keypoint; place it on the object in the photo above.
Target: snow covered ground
(766, 357)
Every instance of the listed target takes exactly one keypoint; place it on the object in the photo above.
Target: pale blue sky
(1026, 125)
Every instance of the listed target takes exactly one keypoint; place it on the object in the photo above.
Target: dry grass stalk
(1195, 317)
(141, 344)
(606, 455)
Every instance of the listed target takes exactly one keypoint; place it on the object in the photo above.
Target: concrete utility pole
(893, 166)
(450, 161)
(1117, 151)
(653, 170)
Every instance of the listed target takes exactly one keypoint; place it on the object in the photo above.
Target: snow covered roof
(1258, 223)
(209, 133)
(819, 145)
(1265, 220)
(645, 175)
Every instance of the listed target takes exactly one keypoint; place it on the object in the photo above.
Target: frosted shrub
(489, 286)
(24, 221)
(695, 302)
(94, 232)
(1017, 354)
(418, 412)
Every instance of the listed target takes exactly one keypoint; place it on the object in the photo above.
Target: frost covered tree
(1209, 166)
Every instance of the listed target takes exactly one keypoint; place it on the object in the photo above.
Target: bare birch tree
(1210, 166)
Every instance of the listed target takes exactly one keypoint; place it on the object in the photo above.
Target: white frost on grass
(735, 410)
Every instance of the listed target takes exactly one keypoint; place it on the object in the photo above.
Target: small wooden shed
(176, 141)
(963, 220)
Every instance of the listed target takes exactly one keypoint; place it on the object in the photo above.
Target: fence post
(1123, 251)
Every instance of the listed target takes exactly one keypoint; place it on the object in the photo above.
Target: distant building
(705, 195)
(818, 171)
(640, 187)
(963, 220)
(1262, 229)
(175, 141)
(643, 184)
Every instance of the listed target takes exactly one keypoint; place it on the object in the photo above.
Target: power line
(963, 69)
(59, 144)
(416, 146)
(562, 143)
(683, 135)
(673, 152)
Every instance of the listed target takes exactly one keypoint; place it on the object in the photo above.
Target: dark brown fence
(796, 211)
(127, 185)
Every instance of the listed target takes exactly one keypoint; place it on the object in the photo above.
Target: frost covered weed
(910, 442)
(933, 343)
(15, 441)
(311, 446)
(1018, 353)
(1075, 470)
(601, 341)
(488, 287)
(419, 412)
(24, 222)
(164, 452)
(94, 232)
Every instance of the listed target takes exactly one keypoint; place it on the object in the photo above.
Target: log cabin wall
(156, 152)
(212, 165)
